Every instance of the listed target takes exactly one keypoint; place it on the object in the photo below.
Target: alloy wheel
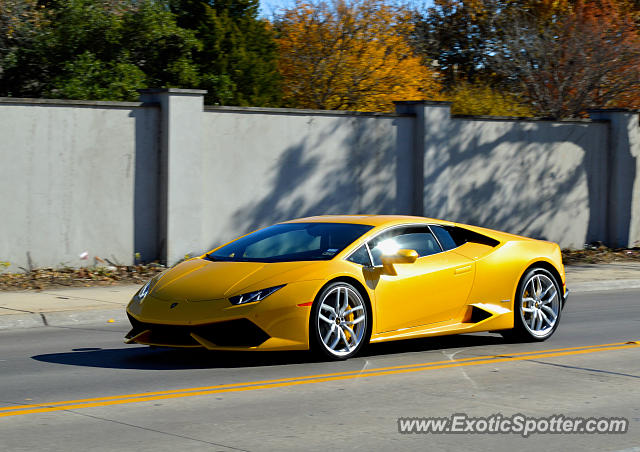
(341, 320)
(540, 305)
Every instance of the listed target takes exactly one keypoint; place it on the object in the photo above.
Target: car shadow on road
(146, 358)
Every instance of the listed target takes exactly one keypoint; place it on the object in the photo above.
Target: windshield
(291, 242)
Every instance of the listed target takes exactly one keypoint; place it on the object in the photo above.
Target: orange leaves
(584, 56)
(601, 44)
(350, 55)
(562, 57)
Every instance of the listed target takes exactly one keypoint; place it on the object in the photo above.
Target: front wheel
(537, 307)
(339, 322)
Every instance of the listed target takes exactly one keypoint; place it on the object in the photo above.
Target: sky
(267, 7)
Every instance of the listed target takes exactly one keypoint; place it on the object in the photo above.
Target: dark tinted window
(462, 236)
(291, 242)
(444, 237)
(361, 256)
(415, 238)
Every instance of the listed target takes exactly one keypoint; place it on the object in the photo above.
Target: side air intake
(478, 314)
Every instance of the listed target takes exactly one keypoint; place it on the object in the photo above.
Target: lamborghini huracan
(333, 284)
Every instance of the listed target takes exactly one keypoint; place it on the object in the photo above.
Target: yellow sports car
(336, 283)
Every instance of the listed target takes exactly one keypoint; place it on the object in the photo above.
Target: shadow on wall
(148, 198)
(621, 229)
(346, 167)
(539, 179)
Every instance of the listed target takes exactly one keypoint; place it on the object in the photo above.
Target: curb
(61, 318)
(597, 286)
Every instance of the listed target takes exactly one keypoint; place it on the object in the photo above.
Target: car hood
(199, 279)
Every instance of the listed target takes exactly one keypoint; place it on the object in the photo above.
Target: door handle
(464, 269)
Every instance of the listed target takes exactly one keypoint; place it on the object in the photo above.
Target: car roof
(371, 220)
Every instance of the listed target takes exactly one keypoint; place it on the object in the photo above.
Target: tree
(480, 99)
(238, 58)
(99, 49)
(561, 56)
(588, 57)
(86, 77)
(350, 55)
(457, 34)
(461, 35)
(18, 22)
(107, 49)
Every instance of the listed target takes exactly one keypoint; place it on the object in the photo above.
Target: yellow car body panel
(443, 280)
(435, 295)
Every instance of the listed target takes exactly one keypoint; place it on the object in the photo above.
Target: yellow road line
(249, 386)
(280, 380)
(43, 409)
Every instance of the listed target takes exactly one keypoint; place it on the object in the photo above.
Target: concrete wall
(265, 166)
(540, 179)
(167, 176)
(536, 179)
(72, 174)
(179, 194)
(623, 188)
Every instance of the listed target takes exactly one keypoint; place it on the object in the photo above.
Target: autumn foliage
(616, 34)
(586, 58)
(481, 100)
(562, 57)
(350, 55)
(552, 58)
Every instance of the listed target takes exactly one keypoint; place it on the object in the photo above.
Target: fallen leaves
(48, 278)
(600, 255)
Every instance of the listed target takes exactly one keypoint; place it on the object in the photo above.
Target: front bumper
(233, 333)
(276, 323)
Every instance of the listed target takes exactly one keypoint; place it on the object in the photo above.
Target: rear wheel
(537, 308)
(339, 322)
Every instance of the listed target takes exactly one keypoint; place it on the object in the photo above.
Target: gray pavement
(74, 306)
(45, 366)
(64, 307)
(594, 277)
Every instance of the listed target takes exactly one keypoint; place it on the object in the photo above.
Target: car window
(460, 236)
(281, 244)
(444, 237)
(291, 242)
(360, 256)
(418, 238)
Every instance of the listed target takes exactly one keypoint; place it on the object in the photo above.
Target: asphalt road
(229, 401)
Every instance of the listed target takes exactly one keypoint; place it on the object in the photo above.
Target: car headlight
(252, 297)
(147, 288)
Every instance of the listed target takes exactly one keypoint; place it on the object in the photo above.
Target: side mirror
(399, 257)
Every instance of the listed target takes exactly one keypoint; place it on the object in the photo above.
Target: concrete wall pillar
(623, 206)
(180, 194)
(430, 157)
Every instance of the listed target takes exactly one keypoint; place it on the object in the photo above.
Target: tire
(537, 309)
(340, 322)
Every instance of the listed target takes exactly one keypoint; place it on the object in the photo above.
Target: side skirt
(495, 318)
